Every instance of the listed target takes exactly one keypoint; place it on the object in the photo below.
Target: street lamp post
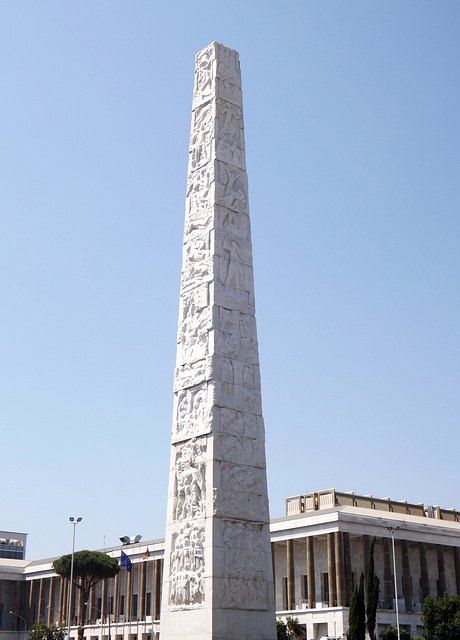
(392, 530)
(53, 609)
(74, 522)
(102, 620)
(23, 619)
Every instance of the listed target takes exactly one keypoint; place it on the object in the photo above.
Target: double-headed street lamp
(392, 530)
(74, 522)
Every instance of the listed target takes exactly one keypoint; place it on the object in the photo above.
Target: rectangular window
(325, 588)
(135, 599)
(305, 587)
(285, 594)
(99, 608)
(111, 605)
(148, 604)
(122, 606)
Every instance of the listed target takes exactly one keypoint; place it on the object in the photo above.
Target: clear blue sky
(353, 151)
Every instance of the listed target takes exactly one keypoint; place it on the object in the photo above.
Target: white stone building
(322, 546)
(319, 549)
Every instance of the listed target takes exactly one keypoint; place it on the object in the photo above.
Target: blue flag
(125, 562)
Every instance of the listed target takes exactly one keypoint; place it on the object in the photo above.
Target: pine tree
(89, 567)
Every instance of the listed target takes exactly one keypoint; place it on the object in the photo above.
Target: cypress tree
(357, 613)
(353, 616)
(372, 593)
(361, 610)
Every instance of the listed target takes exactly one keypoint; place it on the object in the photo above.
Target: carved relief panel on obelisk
(218, 580)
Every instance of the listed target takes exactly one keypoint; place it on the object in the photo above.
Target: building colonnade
(130, 597)
(322, 570)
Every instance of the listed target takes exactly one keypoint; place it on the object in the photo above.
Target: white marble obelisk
(218, 579)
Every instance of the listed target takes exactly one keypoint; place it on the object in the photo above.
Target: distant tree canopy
(41, 631)
(392, 634)
(441, 618)
(89, 567)
(289, 630)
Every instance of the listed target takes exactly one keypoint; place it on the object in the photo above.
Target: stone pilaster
(217, 578)
(50, 608)
(141, 613)
(157, 589)
(73, 607)
(91, 611)
(424, 576)
(339, 569)
(104, 599)
(388, 584)
(457, 568)
(442, 584)
(29, 599)
(41, 600)
(62, 600)
(366, 548)
(116, 597)
(81, 605)
(290, 574)
(331, 569)
(407, 584)
(311, 596)
(347, 567)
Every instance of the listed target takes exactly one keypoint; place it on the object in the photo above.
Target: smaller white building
(13, 545)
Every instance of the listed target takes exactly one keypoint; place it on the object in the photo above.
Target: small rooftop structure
(13, 545)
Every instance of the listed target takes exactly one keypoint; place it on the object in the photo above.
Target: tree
(89, 567)
(392, 634)
(372, 593)
(40, 631)
(281, 630)
(441, 618)
(357, 613)
(289, 630)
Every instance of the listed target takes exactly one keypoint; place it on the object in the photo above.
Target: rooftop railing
(332, 498)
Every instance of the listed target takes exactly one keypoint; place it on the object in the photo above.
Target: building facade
(322, 546)
(319, 550)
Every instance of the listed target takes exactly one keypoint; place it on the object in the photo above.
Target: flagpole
(145, 588)
(124, 563)
(143, 580)
(126, 602)
(154, 586)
